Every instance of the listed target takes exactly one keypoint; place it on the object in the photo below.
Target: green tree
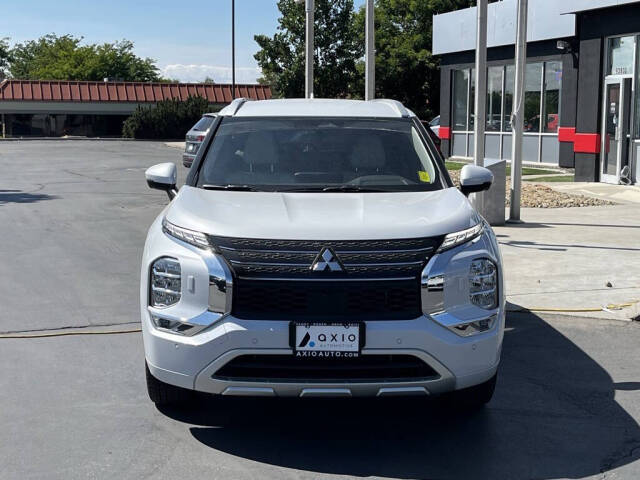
(282, 57)
(53, 57)
(166, 119)
(4, 57)
(406, 70)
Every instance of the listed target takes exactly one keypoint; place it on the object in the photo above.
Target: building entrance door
(615, 129)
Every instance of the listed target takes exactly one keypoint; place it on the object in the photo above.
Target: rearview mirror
(163, 176)
(475, 179)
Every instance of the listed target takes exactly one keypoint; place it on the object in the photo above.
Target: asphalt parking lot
(74, 215)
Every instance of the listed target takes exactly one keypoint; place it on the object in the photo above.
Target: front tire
(477, 396)
(163, 394)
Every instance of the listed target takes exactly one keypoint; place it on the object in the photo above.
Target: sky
(189, 40)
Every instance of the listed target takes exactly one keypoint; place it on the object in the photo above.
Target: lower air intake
(288, 368)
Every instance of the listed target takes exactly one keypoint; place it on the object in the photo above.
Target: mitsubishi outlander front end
(319, 248)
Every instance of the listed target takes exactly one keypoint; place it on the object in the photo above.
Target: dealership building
(30, 108)
(581, 104)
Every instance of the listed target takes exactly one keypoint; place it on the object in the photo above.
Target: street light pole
(517, 116)
(480, 99)
(309, 19)
(308, 88)
(370, 55)
(233, 49)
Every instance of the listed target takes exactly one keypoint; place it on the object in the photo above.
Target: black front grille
(289, 368)
(378, 279)
(291, 259)
(326, 301)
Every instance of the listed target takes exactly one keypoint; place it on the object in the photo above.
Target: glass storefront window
(494, 99)
(509, 88)
(472, 96)
(552, 84)
(620, 56)
(532, 94)
(460, 98)
(637, 102)
(56, 125)
(541, 99)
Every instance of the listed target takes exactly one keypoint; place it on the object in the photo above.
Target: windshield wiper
(333, 188)
(231, 187)
(351, 188)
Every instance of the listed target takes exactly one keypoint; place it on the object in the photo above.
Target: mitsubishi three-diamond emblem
(327, 260)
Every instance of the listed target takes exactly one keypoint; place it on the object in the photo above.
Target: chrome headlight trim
(192, 237)
(476, 327)
(454, 239)
(165, 321)
(432, 289)
(220, 285)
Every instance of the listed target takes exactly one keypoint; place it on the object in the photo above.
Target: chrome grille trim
(284, 279)
(307, 252)
(293, 259)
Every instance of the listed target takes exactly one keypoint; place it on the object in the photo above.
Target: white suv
(319, 248)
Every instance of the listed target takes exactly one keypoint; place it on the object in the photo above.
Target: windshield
(203, 124)
(318, 154)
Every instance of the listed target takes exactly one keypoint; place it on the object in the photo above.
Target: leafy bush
(166, 119)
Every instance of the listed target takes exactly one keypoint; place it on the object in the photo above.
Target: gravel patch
(537, 195)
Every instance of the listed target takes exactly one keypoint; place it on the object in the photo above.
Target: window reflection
(509, 88)
(460, 97)
(552, 83)
(532, 94)
(494, 99)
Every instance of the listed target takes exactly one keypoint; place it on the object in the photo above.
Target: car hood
(322, 216)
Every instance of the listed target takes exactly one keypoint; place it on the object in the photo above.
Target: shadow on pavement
(565, 224)
(553, 415)
(17, 196)
(560, 247)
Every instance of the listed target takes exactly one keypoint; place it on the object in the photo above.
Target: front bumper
(192, 361)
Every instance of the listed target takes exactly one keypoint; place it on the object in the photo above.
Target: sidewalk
(615, 193)
(566, 258)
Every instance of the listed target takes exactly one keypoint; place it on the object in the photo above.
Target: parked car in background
(435, 125)
(319, 248)
(195, 136)
(433, 135)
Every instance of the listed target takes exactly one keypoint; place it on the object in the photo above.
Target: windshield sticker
(424, 176)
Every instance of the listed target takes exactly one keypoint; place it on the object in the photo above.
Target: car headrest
(260, 149)
(368, 154)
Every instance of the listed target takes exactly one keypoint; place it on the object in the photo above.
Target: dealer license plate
(330, 340)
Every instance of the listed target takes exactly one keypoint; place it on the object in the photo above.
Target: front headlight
(166, 282)
(458, 238)
(197, 239)
(483, 283)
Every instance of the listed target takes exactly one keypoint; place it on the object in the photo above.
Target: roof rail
(233, 107)
(237, 104)
(394, 104)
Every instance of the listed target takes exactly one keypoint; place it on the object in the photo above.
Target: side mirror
(475, 179)
(163, 176)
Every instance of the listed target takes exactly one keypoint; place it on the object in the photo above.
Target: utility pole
(518, 113)
(308, 83)
(480, 100)
(370, 55)
(233, 49)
